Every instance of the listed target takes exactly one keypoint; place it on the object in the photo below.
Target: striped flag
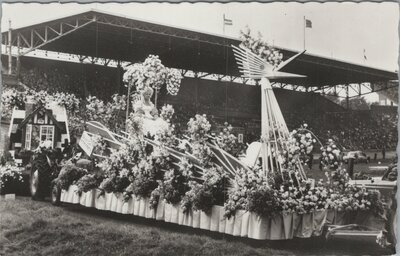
(308, 24)
(227, 22)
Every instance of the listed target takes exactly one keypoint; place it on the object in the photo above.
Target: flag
(365, 56)
(227, 22)
(308, 24)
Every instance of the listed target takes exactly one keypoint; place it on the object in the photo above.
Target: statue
(152, 123)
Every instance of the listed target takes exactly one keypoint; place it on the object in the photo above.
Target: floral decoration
(154, 74)
(227, 140)
(10, 176)
(261, 48)
(174, 78)
(211, 191)
(166, 113)
(330, 156)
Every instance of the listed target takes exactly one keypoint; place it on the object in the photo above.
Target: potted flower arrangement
(198, 130)
(154, 74)
(10, 179)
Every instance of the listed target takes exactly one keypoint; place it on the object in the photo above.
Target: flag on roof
(227, 21)
(308, 24)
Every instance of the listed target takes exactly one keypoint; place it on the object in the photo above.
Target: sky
(339, 30)
(344, 31)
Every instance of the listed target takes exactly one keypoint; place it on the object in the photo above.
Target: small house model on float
(36, 124)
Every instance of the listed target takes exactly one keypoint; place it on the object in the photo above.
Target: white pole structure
(304, 32)
(128, 97)
(274, 131)
(9, 48)
(223, 24)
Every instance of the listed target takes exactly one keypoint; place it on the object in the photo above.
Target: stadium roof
(103, 35)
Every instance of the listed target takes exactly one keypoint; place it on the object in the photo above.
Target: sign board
(240, 137)
(9, 197)
(86, 143)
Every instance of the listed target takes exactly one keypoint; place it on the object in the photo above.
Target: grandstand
(214, 88)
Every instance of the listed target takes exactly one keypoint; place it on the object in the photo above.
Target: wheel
(55, 194)
(35, 185)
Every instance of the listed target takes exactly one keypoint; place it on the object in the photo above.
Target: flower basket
(160, 210)
(205, 220)
(259, 227)
(196, 219)
(288, 228)
(215, 220)
(277, 229)
(319, 219)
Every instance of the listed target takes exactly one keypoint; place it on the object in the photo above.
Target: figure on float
(143, 106)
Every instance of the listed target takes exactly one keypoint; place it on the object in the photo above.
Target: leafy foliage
(69, 174)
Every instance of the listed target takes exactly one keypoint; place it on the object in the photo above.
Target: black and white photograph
(199, 128)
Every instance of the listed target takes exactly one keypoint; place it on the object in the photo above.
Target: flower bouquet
(10, 178)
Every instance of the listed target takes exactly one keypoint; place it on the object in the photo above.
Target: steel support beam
(49, 34)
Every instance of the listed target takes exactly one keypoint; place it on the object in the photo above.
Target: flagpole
(223, 25)
(304, 32)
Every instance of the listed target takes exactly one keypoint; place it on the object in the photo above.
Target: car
(387, 186)
(358, 156)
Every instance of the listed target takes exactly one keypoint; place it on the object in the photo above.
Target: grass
(38, 228)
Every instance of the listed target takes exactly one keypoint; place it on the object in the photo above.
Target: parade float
(193, 180)
(143, 167)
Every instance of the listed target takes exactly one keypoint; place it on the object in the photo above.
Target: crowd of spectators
(236, 104)
(82, 80)
(356, 130)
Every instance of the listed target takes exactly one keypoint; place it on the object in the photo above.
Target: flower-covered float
(192, 179)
